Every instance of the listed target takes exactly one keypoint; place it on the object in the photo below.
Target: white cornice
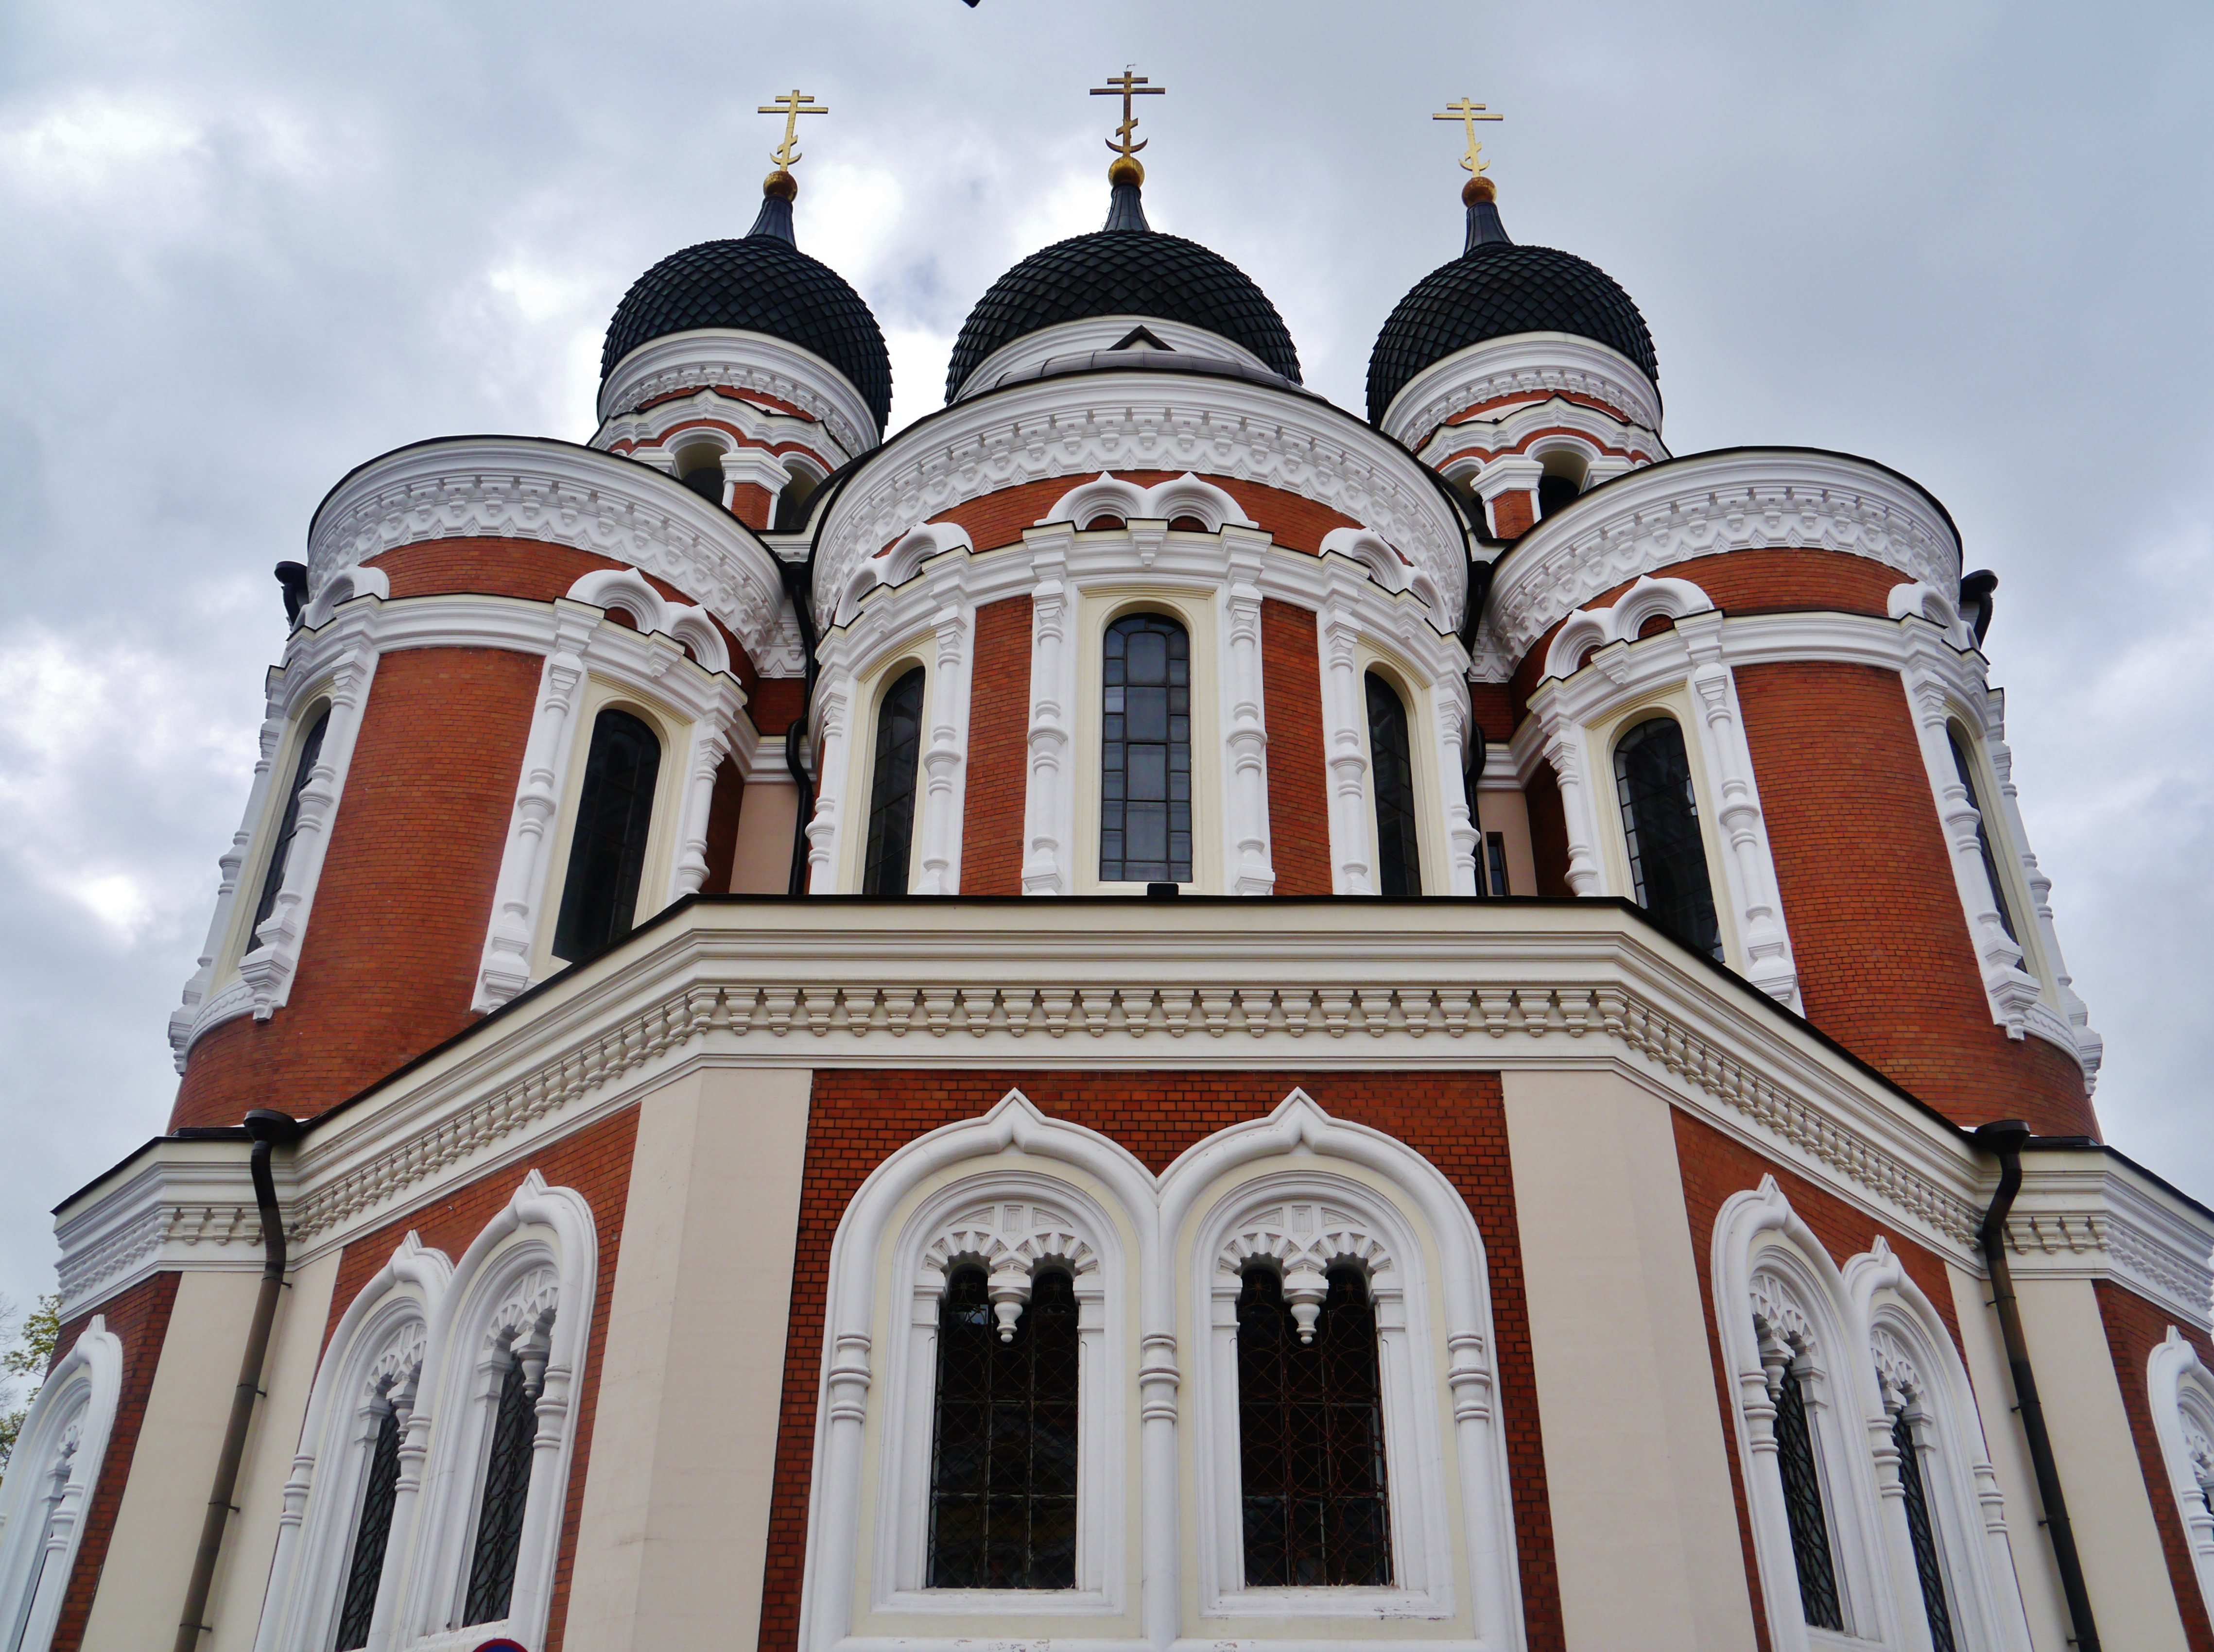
(2086, 1215)
(1515, 426)
(758, 426)
(1706, 505)
(1095, 332)
(1522, 363)
(1080, 425)
(743, 361)
(517, 487)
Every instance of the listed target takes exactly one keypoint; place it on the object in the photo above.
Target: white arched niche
(2181, 1392)
(51, 1478)
(374, 1364)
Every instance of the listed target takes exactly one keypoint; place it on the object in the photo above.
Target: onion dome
(761, 283)
(1495, 288)
(1126, 268)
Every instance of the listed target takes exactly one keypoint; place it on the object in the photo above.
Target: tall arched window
(1797, 1462)
(1145, 765)
(1921, 1532)
(273, 880)
(607, 856)
(372, 1534)
(1003, 1467)
(1966, 769)
(506, 1493)
(1661, 819)
(1398, 853)
(891, 795)
(1310, 1432)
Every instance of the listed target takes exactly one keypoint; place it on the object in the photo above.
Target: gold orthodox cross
(1468, 115)
(791, 105)
(1130, 86)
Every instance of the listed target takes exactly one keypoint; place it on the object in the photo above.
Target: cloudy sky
(245, 245)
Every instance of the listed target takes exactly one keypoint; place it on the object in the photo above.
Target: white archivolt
(51, 1479)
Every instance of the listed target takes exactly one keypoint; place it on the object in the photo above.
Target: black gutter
(268, 1129)
(2005, 1138)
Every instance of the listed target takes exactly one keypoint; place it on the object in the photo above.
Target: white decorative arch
(523, 1289)
(1370, 550)
(1924, 601)
(1595, 627)
(51, 1478)
(343, 587)
(905, 559)
(1108, 495)
(2180, 1390)
(373, 1362)
(626, 590)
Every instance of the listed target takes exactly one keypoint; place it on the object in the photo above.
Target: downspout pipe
(269, 1130)
(2004, 1139)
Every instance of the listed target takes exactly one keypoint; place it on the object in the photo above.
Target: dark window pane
(1802, 1503)
(1398, 856)
(1003, 1463)
(1968, 772)
(1660, 819)
(607, 856)
(1924, 1539)
(1145, 759)
(891, 800)
(272, 881)
(372, 1532)
(1311, 1438)
(506, 1491)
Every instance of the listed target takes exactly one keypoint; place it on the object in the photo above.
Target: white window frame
(383, 1336)
(51, 1481)
(862, 762)
(2179, 1392)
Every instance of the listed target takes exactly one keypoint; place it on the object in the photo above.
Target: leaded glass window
(372, 1532)
(1144, 764)
(1661, 819)
(1311, 1437)
(606, 854)
(1398, 855)
(506, 1493)
(1003, 1462)
(1802, 1505)
(891, 798)
(1923, 1535)
(272, 881)
(1968, 772)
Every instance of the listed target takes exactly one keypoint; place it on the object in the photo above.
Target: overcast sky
(245, 247)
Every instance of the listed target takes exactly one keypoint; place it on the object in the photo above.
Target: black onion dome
(1125, 269)
(761, 283)
(1496, 288)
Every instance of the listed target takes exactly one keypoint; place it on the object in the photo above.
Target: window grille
(1495, 851)
(1003, 1467)
(607, 856)
(1803, 1504)
(506, 1491)
(1144, 764)
(1311, 1438)
(1923, 1535)
(311, 749)
(1398, 855)
(1968, 772)
(1660, 819)
(891, 801)
(372, 1533)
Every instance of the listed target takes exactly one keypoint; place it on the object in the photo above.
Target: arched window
(1310, 1431)
(699, 467)
(1003, 1467)
(372, 1535)
(273, 880)
(891, 796)
(46, 1497)
(1907, 1418)
(1661, 819)
(506, 1491)
(794, 497)
(1968, 772)
(1145, 765)
(1398, 855)
(607, 856)
(2180, 1391)
(1786, 1360)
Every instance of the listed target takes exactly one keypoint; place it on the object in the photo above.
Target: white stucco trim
(51, 1477)
(2179, 1392)
(1090, 334)
(709, 356)
(1521, 365)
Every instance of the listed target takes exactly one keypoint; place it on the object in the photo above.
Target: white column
(1160, 1608)
(1343, 709)
(833, 700)
(1050, 799)
(847, 1413)
(711, 744)
(946, 760)
(2089, 1045)
(1564, 750)
(1245, 736)
(228, 869)
(1450, 714)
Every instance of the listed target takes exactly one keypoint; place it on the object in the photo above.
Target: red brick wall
(750, 504)
(1298, 791)
(1713, 1168)
(2134, 1328)
(1457, 1120)
(140, 1318)
(596, 1162)
(388, 963)
(1513, 514)
(998, 520)
(999, 750)
(1886, 964)
(776, 703)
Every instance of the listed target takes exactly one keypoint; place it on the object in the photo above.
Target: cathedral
(1149, 1015)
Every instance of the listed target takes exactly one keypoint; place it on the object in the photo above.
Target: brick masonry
(999, 748)
(2134, 1328)
(388, 963)
(1457, 1120)
(1298, 791)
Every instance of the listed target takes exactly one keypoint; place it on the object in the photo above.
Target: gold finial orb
(780, 184)
(1478, 189)
(1126, 170)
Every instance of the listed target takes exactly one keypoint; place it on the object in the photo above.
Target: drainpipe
(2005, 1139)
(268, 1129)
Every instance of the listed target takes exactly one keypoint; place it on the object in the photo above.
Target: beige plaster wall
(672, 1540)
(1645, 1529)
(1506, 813)
(763, 864)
